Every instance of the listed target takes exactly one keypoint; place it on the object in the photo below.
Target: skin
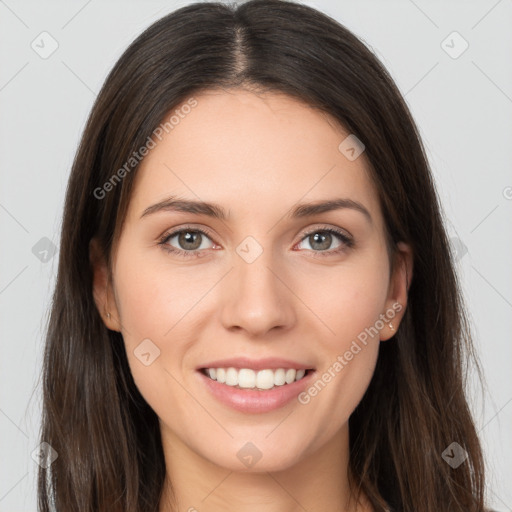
(256, 155)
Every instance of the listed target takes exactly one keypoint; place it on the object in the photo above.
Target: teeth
(246, 378)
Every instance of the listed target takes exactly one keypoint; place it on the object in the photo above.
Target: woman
(256, 306)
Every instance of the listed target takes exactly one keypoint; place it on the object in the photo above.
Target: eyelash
(347, 243)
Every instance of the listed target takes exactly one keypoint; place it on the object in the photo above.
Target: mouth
(263, 380)
(258, 392)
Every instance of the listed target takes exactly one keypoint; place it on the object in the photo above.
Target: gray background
(462, 105)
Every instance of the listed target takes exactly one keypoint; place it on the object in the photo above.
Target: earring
(391, 326)
(108, 315)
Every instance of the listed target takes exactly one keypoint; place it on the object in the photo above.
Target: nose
(257, 297)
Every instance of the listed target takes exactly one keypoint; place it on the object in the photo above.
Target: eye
(190, 241)
(320, 240)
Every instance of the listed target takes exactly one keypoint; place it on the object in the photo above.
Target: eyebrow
(218, 212)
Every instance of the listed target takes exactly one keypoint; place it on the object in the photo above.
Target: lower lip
(256, 400)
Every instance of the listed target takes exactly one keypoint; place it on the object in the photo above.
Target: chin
(257, 457)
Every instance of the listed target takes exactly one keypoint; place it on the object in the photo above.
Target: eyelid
(344, 237)
(326, 227)
(304, 233)
(172, 232)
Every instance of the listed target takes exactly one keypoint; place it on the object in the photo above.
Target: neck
(316, 483)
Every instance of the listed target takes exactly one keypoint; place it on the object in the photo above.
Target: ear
(102, 287)
(396, 302)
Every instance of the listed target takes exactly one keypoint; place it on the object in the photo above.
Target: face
(268, 280)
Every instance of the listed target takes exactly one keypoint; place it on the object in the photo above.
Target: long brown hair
(106, 436)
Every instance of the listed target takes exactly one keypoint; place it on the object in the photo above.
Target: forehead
(253, 153)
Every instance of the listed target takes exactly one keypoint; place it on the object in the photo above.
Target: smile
(252, 399)
(246, 378)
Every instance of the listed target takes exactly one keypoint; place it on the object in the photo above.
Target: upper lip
(272, 363)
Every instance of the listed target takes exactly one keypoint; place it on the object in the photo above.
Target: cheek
(351, 300)
(346, 299)
(154, 299)
(354, 296)
(162, 304)
(153, 311)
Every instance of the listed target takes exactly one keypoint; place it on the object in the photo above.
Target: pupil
(187, 238)
(323, 244)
